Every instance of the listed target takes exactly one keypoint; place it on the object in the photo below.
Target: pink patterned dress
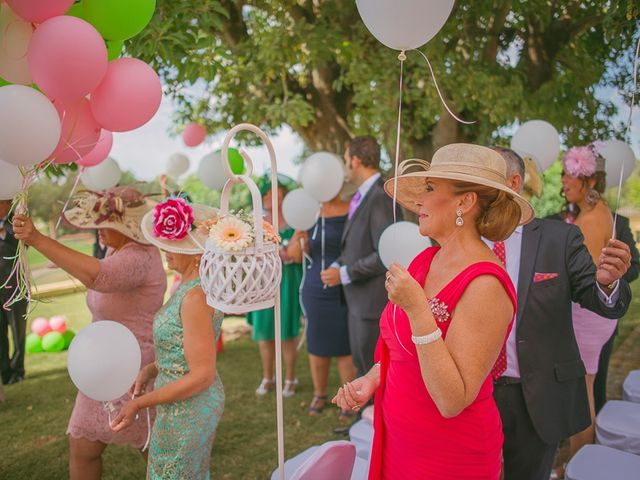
(129, 289)
(412, 440)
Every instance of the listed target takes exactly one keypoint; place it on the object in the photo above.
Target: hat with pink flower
(173, 225)
(583, 161)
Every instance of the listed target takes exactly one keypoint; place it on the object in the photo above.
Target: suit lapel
(528, 254)
(360, 209)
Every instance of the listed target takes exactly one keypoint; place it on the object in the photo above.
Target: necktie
(501, 364)
(355, 200)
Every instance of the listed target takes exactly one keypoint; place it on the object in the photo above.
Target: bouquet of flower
(236, 231)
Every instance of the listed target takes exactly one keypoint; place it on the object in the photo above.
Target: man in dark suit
(359, 268)
(542, 396)
(11, 368)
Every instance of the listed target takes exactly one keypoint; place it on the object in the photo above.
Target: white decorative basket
(247, 280)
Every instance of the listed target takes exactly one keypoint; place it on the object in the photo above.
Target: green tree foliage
(314, 66)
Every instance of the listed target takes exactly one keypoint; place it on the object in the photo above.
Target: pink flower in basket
(172, 219)
(270, 233)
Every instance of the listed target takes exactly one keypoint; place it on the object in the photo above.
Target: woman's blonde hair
(499, 214)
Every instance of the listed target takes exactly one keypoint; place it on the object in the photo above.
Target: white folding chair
(331, 460)
(631, 387)
(596, 462)
(361, 434)
(618, 426)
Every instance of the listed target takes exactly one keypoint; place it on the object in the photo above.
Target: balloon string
(305, 258)
(73, 190)
(631, 105)
(323, 265)
(395, 330)
(444, 103)
(402, 57)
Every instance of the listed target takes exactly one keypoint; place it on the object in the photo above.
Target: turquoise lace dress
(183, 432)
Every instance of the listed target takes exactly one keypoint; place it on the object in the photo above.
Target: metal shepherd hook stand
(269, 278)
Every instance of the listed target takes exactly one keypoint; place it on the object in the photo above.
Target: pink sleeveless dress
(129, 289)
(412, 440)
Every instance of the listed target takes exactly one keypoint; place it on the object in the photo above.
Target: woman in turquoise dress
(262, 321)
(188, 394)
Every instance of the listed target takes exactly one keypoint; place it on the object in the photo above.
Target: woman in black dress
(324, 307)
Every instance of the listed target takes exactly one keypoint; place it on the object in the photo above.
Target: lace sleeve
(123, 270)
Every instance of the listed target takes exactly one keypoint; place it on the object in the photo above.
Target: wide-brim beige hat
(118, 208)
(459, 161)
(193, 243)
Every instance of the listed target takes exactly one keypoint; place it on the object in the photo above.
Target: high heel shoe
(289, 389)
(265, 386)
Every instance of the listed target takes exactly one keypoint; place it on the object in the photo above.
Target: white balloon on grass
(29, 125)
(322, 176)
(300, 210)
(404, 24)
(177, 164)
(539, 140)
(10, 181)
(401, 242)
(101, 177)
(617, 155)
(104, 360)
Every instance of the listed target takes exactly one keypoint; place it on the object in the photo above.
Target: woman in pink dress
(583, 182)
(127, 286)
(443, 331)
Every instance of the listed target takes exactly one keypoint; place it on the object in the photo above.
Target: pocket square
(541, 277)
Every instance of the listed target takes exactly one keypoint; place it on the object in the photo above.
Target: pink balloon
(193, 134)
(58, 323)
(15, 35)
(80, 132)
(40, 326)
(37, 11)
(128, 97)
(100, 152)
(67, 58)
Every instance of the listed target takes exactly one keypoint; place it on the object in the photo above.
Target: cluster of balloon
(63, 88)
(211, 170)
(94, 368)
(51, 335)
(322, 177)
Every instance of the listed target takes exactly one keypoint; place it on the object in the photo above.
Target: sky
(145, 151)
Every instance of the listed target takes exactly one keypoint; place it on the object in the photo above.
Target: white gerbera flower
(231, 234)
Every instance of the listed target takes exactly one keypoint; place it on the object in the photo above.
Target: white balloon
(102, 176)
(15, 35)
(212, 172)
(404, 24)
(617, 155)
(401, 242)
(322, 176)
(177, 164)
(539, 140)
(104, 360)
(10, 181)
(300, 210)
(29, 125)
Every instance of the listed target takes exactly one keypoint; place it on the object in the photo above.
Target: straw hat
(118, 208)
(459, 161)
(194, 241)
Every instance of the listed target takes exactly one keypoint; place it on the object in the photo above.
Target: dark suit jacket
(366, 295)
(624, 234)
(551, 370)
(8, 248)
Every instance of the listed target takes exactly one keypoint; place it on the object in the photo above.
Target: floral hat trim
(172, 219)
(235, 232)
(583, 161)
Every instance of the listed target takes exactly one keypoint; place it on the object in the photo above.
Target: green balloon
(114, 49)
(33, 343)
(68, 336)
(3, 82)
(53, 342)
(235, 160)
(76, 11)
(119, 19)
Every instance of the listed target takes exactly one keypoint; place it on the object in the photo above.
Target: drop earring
(459, 220)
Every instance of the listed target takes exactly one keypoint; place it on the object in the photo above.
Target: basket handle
(247, 180)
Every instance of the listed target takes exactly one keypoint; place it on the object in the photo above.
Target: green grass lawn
(34, 417)
(37, 260)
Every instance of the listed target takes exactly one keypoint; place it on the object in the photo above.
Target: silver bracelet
(426, 339)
